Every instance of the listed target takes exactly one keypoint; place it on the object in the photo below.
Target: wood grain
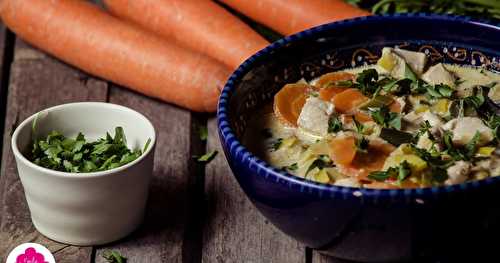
(320, 258)
(235, 231)
(160, 238)
(36, 82)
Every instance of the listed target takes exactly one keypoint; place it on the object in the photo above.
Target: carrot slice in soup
(329, 79)
(326, 84)
(348, 100)
(328, 93)
(343, 150)
(374, 159)
(395, 107)
(288, 103)
(360, 117)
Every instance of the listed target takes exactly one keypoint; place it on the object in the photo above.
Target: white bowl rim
(24, 160)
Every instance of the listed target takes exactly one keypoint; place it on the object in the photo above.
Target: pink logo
(30, 256)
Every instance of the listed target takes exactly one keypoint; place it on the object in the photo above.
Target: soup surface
(401, 123)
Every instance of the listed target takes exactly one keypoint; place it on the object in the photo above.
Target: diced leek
(387, 61)
(416, 163)
(485, 151)
(421, 109)
(441, 106)
(377, 102)
(321, 176)
(288, 142)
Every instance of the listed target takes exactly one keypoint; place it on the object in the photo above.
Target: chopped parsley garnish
(207, 157)
(460, 153)
(399, 173)
(476, 100)
(360, 128)
(276, 144)
(321, 162)
(385, 118)
(112, 256)
(439, 91)
(367, 81)
(435, 162)
(291, 167)
(494, 123)
(60, 153)
(362, 144)
(334, 124)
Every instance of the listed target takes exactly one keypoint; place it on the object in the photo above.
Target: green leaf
(119, 136)
(381, 175)
(395, 137)
(321, 162)
(203, 133)
(360, 128)
(362, 144)
(409, 74)
(385, 118)
(277, 144)
(113, 256)
(367, 81)
(439, 91)
(400, 173)
(207, 157)
(470, 147)
(404, 171)
(334, 124)
(148, 142)
(292, 167)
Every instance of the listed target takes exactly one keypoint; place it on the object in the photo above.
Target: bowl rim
(235, 148)
(68, 175)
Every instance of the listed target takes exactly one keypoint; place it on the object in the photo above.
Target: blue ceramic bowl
(351, 223)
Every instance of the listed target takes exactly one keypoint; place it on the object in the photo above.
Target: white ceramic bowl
(86, 208)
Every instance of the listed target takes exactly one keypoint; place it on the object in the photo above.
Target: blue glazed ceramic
(441, 223)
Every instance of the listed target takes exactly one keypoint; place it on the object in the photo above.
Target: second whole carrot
(201, 25)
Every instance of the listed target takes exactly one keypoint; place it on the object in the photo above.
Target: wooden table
(195, 213)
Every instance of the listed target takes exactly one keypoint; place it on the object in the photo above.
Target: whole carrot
(201, 25)
(291, 16)
(80, 34)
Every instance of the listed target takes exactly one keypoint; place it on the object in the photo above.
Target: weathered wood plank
(320, 258)
(6, 53)
(235, 231)
(160, 238)
(37, 81)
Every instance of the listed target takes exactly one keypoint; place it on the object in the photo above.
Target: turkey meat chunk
(438, 74)
(464, 129)
(314, 116)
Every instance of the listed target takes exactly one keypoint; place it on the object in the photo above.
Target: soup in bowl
(372, 139)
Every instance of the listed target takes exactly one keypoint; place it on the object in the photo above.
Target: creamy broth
(438, 129)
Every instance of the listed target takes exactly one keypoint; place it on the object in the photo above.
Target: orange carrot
(360, 116)
(375, 157)
(201, 25)
(395, 107)
(327, 84)
(291, 16)
(82, 35)
(288, 103)
(343, 150)
(330, 79)
(348, 100)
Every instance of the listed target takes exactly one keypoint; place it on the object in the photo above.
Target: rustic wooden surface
(195, 213)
